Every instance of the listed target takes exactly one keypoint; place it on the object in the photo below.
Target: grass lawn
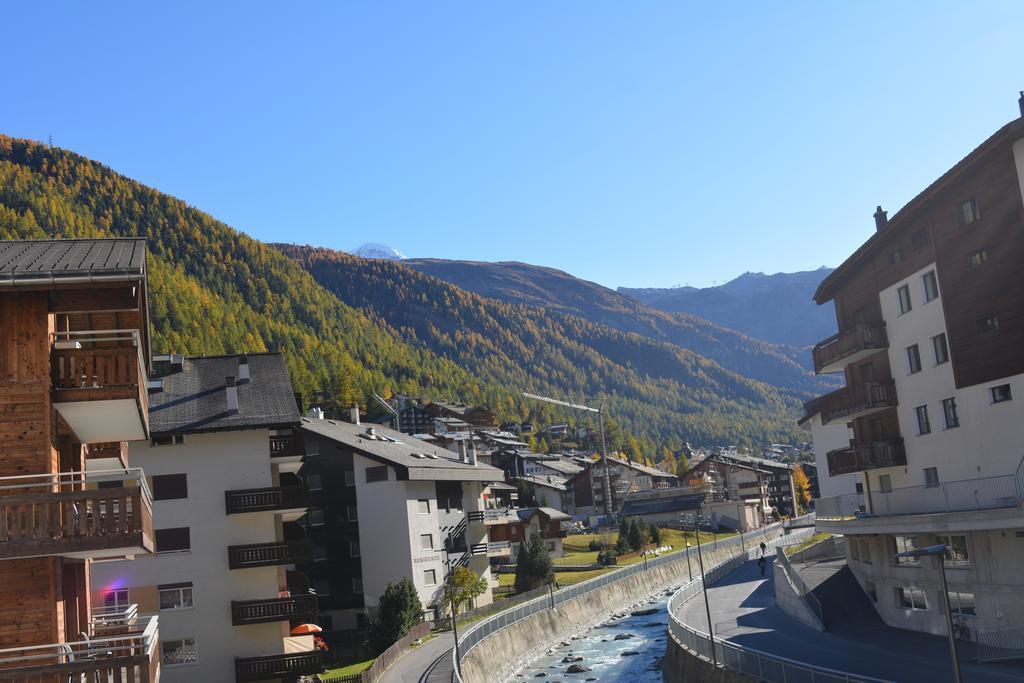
(816, 538)
(351, 669)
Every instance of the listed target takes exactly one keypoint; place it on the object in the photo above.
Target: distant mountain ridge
(555, 290)
(777, 308)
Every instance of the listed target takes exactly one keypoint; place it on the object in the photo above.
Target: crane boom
(558, 402)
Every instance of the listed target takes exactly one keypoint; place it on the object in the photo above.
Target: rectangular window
(919, 238)
(319, 553)
(885, 482)
(316, 516)
(1001, 393)
(931, 476)
(895, 256)
(905, 544)
(969, 211)
(989, 324)
(350, 478)
(175, 595)
(426, 541)
(923, 424)
(976, 258)
(962, 605)
(170, 440)
(322, 586)
(904, 298)
(313, 481)
(950, 413)
(170, 486)
(913, 359)
(956, 550)
(353, 549)
(911, 598)
(872, 592)
(379, 473)
(116, 599)
(181, 651)
(865, 551)
(357, 585)
(423, 505)
(174, 540)
(353, 513)
(931, 286)
(940, 349)
(429, 577)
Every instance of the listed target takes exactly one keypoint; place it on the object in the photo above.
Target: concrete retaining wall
(828, 548)
(789, 600)
(500, 655)
(682, 665)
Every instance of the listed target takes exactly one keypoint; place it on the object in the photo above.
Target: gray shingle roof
(101, 259)
(687, 501)
(402, 452)
(195, 399)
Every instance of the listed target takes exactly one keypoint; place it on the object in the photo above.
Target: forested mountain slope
(215, 290)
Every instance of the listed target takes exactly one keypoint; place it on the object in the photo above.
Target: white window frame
(955, 610)
(180, 590)
(433, 575)
(949, 408)
(419, 506)
(931, 483)
(954, 563)
(923, 426)
(121, 599)
(925, 279)
(913, 355)
(195, 652)
(992, 394)
(945, 348)
(900, 291)
(429, 539)
(902, 592)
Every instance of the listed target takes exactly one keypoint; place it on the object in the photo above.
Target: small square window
(962, 605)
(940, 349)
(924, 426)
(429, 577)
(949, 411)
(885, 482)
(1001, 393)
(904, 299)
(957, 554)
(423, 506)
(969, 211)
(906, 544)
(170, 486)
(931, 286)
(976, 258)
(931, 476)
(989, 324)
(173, 540)
(175, 596)
(176, 652)
(913, 359)
(896, 256)
(426, 541)
(911, 598)
(116, 599)
(316, 516)
(313, 481)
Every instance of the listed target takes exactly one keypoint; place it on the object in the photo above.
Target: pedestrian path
(431, 662)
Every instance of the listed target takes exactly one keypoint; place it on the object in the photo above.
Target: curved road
(743, 611)
(431, 662)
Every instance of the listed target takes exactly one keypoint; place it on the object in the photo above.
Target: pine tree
(655, 535)
(636, 533)
(533, 566)
(399, 609)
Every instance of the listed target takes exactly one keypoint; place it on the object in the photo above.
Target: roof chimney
(1020, 103)
(232, 394)
(881, 219)
(354, 414)
(315, 413)
(472, 451)
(243, 370)
(462, 451)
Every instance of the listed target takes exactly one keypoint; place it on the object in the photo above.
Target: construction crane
(604, 448)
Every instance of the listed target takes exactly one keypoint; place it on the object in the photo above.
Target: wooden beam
(94, 300)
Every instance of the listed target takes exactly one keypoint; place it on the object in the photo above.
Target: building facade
(931, 344)
(74, 335)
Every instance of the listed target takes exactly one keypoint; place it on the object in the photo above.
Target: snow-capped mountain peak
(381, 251)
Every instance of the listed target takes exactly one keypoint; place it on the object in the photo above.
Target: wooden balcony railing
(866, 457)
(858, 400)
(285, 446)
(488, 516)
(267, 554)
(129, 657)
(56, 514)
(264, 499)
(845, 347)
(278, 666)
(273, 609)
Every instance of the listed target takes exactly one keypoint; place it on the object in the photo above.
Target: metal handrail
(120, 335)
(119, 645)
(35, 481)
(799, 585)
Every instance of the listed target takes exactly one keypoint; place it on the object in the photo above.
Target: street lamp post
(451, 596)
(688, 567)
(939, 551)
(704, 586)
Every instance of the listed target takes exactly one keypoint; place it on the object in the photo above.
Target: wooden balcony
(866, 457)
(858, 401)
(99, 385)
(488, 516)
(130, 657)
(273, 609)
(65, 514)
(849, 346)
(278, 666)
(267, 554)
(271, 498)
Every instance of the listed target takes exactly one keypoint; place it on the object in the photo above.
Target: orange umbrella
(306, 629)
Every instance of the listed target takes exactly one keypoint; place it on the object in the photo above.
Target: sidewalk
(431, 662)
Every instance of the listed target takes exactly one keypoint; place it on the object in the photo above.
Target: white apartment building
(931, 343)
(383, 505)
(226, 501)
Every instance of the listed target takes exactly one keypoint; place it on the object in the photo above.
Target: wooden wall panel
(30, 609)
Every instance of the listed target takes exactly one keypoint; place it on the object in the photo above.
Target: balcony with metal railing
(859, 458)
(273, 609)
(298, 551)
(128, 654)
(849, 346)
(99, 384)
(488, 516)
(66, 514)
(268, 499)
(858, 401)
(285, 666)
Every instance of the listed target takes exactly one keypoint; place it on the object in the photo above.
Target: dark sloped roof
(690, 501)
(194, 399)
(102, 259)
(411, 458)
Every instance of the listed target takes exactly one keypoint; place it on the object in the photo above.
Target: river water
(603, 655)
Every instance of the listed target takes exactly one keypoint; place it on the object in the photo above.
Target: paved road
(428, 663)
(743, 611)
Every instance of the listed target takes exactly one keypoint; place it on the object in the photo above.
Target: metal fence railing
(507, 617)
(798, 583)
(761, 665)
(995, 645)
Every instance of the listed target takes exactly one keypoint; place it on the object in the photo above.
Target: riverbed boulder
(623, 636)
(571, 658)
(644, 612)
(577, 669)
(629, 653)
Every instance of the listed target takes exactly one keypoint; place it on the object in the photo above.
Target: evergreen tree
(533, 567)
(624, 528)
(682, 465)
(636, 533)
(655, 535)
(399, 609)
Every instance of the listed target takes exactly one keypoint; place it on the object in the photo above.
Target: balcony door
(75, 595)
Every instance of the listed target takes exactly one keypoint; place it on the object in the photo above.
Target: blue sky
(637, 144)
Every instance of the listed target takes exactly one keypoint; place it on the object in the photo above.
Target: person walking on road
(761, 564)
(764, 548)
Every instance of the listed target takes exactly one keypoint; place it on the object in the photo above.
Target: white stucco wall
(214, 463)
(830, 437)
